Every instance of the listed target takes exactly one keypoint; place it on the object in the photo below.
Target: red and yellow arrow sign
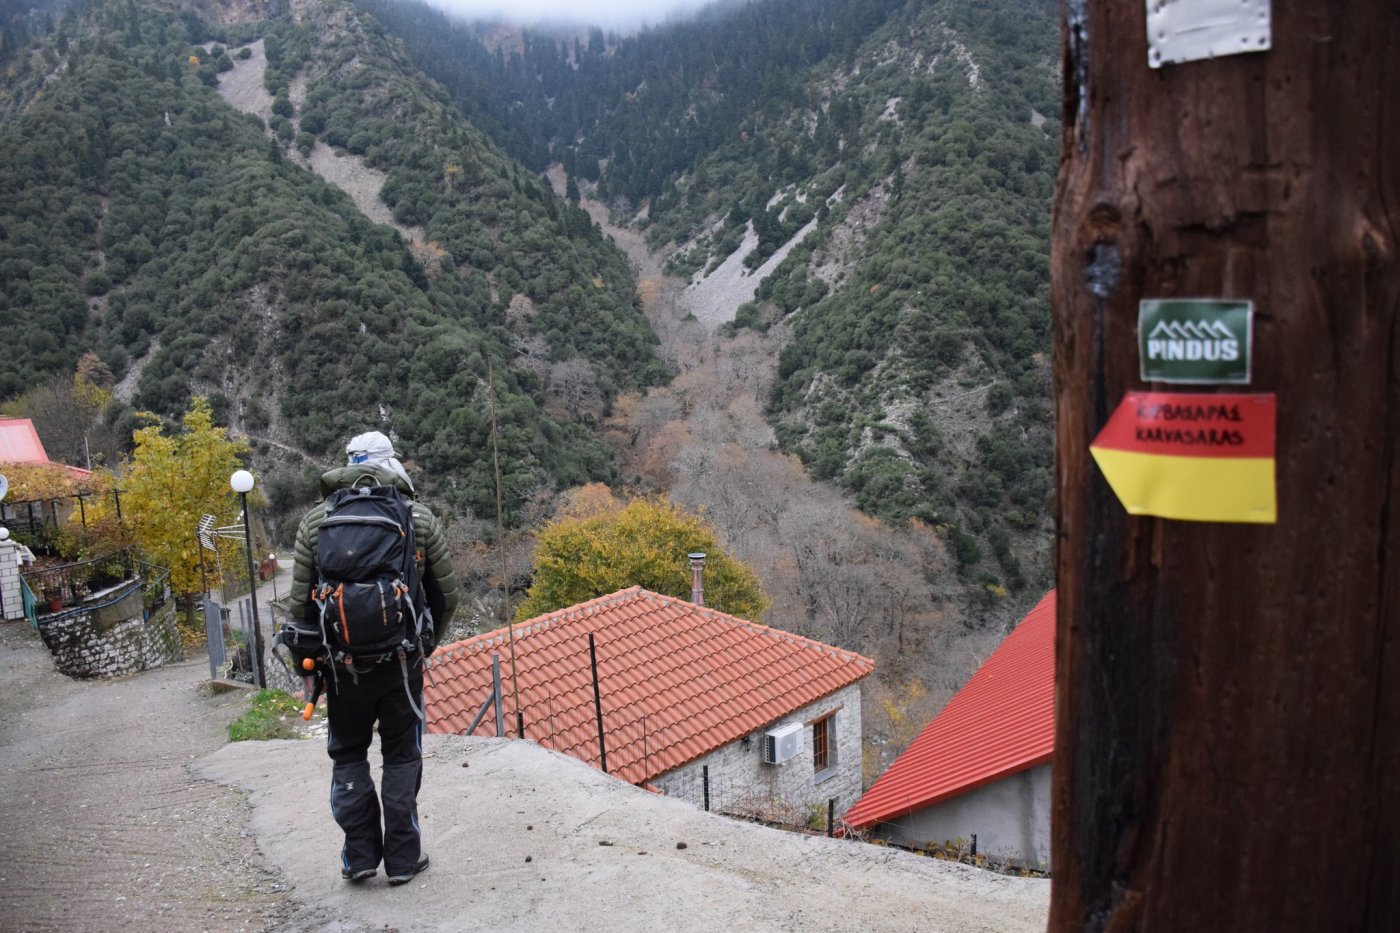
(1193, 457)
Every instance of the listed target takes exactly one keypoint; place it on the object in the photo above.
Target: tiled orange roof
(1002, 722)
(677, 680)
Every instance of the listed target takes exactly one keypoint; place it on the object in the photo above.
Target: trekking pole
(312, 684)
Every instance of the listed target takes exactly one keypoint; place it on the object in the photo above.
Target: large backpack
(367, 587)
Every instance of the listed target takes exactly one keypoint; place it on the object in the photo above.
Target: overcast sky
(606, 13)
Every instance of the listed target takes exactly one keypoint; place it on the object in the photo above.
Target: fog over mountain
(613, 14)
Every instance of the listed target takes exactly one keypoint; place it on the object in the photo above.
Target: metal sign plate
(1195, 341)
(1192, 30)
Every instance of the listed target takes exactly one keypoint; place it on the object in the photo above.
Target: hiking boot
(359, 874)
(407, 877)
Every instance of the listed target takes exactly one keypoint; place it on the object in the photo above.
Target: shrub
(272, 715)
(98, 283)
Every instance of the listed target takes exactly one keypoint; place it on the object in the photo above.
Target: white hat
(373, 447)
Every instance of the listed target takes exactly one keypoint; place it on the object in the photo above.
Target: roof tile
(701, 678)
(20, 443)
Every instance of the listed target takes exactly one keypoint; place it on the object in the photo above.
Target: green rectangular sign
(1199, 341)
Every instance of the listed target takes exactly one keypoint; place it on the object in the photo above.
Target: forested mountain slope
(143, 218)
(646, 105)
(920, 140)
(918, 372)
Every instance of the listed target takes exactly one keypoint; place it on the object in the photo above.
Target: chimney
(697, 577)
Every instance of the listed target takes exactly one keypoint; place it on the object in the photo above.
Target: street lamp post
(242, 483)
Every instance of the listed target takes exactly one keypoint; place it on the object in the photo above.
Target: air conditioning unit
(782, 743)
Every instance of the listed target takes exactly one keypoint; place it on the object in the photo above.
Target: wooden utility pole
(1227, 751)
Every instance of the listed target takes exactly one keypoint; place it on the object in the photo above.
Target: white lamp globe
(241, 481)
(4, 534)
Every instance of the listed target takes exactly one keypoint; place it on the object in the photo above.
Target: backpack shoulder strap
(415, 585)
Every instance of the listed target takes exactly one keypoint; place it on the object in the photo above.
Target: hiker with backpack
(372, 593)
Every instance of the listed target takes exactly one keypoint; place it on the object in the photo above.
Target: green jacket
(434, 561)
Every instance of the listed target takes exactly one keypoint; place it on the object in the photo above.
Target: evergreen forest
(888, 164)
(144, 219)
(917, 141)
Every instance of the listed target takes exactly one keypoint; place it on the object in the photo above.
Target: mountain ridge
(895, 351)
(191, 223)
(932, 127)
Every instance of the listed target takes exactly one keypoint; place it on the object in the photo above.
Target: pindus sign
(1195, 341)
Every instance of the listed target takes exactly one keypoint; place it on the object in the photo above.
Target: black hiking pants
(352, 709)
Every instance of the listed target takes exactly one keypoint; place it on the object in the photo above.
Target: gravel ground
(714, 299)
(243, 86)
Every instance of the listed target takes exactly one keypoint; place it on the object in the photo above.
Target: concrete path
(124, 806)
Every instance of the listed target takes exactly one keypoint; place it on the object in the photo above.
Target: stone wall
(791, 793)
(112, 638)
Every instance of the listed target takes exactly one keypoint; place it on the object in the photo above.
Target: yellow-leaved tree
(171, 482)
(643, 543)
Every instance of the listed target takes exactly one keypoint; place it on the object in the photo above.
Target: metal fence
(66, 585)
(229, 632)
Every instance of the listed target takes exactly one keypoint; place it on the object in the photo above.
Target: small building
(102, 616)
(981, 768)
(21, 447)
(725, 713)
(20, 443)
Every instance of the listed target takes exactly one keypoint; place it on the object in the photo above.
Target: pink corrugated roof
(1000, 723)
(19, 442)
(677, 680)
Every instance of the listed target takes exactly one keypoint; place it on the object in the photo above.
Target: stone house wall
(113, 638)
(791, 793)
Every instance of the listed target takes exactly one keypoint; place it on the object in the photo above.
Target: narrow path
(104, 825)
(112, 820)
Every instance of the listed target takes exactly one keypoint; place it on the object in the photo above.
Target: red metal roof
(1000, 723)
(677, 680)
